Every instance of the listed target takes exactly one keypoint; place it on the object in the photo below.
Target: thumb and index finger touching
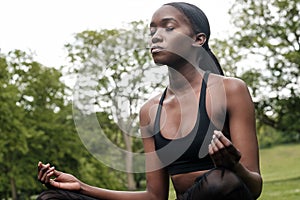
(46, 168)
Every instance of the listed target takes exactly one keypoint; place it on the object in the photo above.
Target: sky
(44, 26)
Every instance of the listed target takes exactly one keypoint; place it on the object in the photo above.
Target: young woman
(201, 128)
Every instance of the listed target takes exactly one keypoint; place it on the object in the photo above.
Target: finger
(55, 184)
(49, 174)
(225, 141)
(213, 146)
(221, 137)
(229, 148)
(218, 143)
(61, 185)
(42, 170)
(40, 164)
(210, 150)
(67, 186)
(56, 173)
(44, 177)
(211, 153)
(44, 166)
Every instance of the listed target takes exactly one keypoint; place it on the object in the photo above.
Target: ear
(200, 39)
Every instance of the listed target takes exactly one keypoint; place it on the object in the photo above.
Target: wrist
(83, 187)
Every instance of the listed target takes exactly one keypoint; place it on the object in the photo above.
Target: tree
(13, 146)
(113, 69)
(268, 31)
(36, 123)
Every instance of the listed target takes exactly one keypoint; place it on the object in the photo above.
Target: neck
(183, 78)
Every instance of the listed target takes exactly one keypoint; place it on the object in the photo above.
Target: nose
(156, 37)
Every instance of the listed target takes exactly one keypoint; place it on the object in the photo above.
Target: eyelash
(171, 28)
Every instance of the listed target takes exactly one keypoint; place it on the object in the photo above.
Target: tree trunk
(131, 184)
(13, 189)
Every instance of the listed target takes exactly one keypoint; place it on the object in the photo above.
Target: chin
(161, 60)
(160, 63)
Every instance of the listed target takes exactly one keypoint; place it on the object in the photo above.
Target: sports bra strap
(203, 89)
(163, 97)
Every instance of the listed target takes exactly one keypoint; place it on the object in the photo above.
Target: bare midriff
(182, 182)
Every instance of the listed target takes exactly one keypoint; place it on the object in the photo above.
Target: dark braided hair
(200, 24)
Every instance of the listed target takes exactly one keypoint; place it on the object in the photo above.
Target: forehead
(171, 12)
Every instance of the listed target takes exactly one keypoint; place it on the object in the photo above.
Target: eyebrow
(163, 21)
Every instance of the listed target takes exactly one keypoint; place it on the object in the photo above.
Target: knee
(42, 196)
(48, 195)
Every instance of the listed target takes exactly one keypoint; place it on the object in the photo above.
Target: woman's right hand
(223, 152)
(53, 178)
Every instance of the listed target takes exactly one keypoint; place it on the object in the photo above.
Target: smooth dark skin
(179, 117)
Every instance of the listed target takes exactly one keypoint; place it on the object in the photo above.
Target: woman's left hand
(222, 151)
(56, 179)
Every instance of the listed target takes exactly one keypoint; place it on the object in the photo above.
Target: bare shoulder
(237, 92)
(148, 110)
(231, 85)
(234, 85)
(235, 89)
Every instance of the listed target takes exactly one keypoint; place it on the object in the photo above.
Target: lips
(156, 49)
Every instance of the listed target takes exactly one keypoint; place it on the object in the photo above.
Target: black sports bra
(189, 153)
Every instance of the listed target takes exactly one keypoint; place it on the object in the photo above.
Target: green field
(280, 168)
(281, 172)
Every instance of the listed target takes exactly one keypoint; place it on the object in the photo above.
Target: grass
(280, 169)
(281, 172)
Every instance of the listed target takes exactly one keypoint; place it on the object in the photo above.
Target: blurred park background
(37, 110)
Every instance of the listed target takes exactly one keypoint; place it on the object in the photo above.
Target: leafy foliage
(113, 69)
(36, 123)
(267, 33)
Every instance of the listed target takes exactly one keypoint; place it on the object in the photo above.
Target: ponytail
(216, 61)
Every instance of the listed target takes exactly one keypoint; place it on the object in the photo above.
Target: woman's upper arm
(242, 126)
(157, 177)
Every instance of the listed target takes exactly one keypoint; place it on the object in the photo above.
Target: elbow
(157, 195)
(258, 190)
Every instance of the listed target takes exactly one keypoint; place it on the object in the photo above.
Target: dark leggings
(218, 184)
(58, 194)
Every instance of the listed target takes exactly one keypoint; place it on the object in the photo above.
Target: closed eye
(152, 31)
(171, 28)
